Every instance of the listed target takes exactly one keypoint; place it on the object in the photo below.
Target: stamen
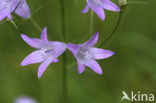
(84, 54)
(47, 51)
(95, 2)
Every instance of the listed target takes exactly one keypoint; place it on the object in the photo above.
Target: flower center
(84, 54)
(94, 2)
(47, 51)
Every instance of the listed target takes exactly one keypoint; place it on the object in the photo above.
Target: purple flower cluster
(48, 51)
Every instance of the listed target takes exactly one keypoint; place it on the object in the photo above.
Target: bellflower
(19, 6)
(48, 51)
(86, 54)
(24, 99)
(98, 5)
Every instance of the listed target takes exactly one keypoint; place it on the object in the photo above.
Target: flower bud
(122, 2)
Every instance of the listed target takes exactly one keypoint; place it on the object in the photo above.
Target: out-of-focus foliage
(132, 68)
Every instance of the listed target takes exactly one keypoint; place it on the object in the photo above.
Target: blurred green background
(132, 68)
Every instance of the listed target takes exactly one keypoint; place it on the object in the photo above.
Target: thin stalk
(91, 22)
(64, 72)
(137, 2)
(14, 24)
(64, 80)
(36, 24)
(115, 28)
(62, 2)
(30, 4)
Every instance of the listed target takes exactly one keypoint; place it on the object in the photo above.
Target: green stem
(64, 80)
(91, 22)
(62, 2)
(36, 24)
(115, 28)
(64, 72)
(14, 24)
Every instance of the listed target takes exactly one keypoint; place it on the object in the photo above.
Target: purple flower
(98, 5)
(24, 99)
(23, 9)
(8, 6)
(47, 52)
(86, 54)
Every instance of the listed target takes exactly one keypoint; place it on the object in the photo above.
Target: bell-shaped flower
(25, 99)
(48, 51)
(86, 54)
(20, 7)
(98, 5)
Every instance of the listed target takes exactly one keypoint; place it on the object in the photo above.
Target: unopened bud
(122, 2)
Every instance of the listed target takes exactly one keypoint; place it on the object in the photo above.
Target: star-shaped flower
(98, 5)
(20, 7)
(86, 54)
(48, 51)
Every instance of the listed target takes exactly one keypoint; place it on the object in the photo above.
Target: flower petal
(12, 4)
(109, 5)
(81, 67)
(58, 48)
(23, 9)
(44, 35)
(34, 57)
(94, 66)
(55, 60)
(93, 40)
(73, 48)
(3, 15)
(35, 43)
(86, 9)
(101, 53)
(99, 11)
(6, 7)
(43, 67)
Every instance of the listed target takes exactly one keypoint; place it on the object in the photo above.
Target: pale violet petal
(12, 4)
(81, 67)
(43, 67)
(6, 7)
(4, 15)
(94, 66)
(35, 43)
(55, 60)
(99, 11)
(58, 48)
(93, 40)
(44, 35)
(34, 57)
(109, 5)
(9, 16)
(23, 9)
(73, 48)
(100, 53)
(86, 9)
